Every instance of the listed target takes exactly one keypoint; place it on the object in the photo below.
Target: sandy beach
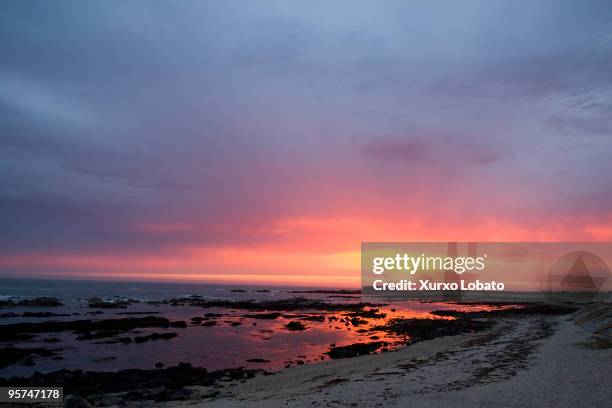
(535, 361)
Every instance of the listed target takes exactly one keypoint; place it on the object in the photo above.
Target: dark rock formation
(426, 329)
(355, 350)
(295, 326)
(140, 382)
(33, 302)
(12, 355)
(155, 336)
(270, 316)
(86, 329)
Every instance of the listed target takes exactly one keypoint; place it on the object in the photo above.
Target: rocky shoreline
(164, 384)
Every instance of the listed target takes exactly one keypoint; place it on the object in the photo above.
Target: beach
(535, 361)
(258, 347)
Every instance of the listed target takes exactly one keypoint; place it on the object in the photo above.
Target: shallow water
(230, 343)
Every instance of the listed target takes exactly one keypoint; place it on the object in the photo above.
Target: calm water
(230, 343)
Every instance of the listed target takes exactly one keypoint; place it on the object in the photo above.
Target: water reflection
(218, 338)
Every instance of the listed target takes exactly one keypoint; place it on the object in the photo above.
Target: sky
(263, 141)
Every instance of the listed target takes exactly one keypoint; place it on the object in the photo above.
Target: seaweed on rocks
(427, 329)
(32, 302)
(85, 328)
(355, 350)
(155, 336)
(268, 316)
(295, 326)
(138, 381)
(12, 355)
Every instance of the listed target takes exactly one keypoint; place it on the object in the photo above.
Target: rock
(40, 302)
(106, 400)
(12, 355)
(73, 401)
(295, 326)
(210, 323)
(258, 360)
(267, 316)
(139, 383)
(108, 305)
(87, 329)
(315, 318)
(356, 321)
(154, 336)
(99, 303)
(355, 350)
(426, 329)
(167, 394)
(209, 394)
(43, 314)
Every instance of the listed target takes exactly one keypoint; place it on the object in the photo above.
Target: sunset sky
(263, 141)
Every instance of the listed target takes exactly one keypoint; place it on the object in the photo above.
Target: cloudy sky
(262, 141)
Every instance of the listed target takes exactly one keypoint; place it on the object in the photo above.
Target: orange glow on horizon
(308, 251)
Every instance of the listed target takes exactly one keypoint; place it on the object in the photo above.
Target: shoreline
(535, 361)
(447, 372)
(433, 343)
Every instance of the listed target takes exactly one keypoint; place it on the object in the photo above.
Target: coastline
(535, 361)
(455, 349)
